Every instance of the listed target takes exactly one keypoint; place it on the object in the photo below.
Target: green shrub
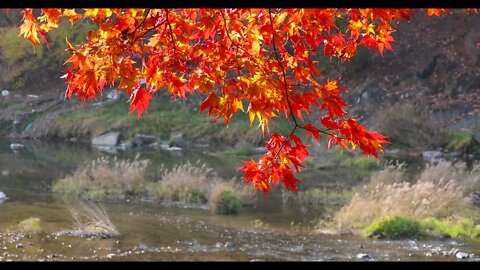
(194, 196)
(452, 227)
(394, 228)
(224, 200)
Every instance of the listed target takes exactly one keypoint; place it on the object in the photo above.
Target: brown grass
(105, 178)
(184, 179)
(440, 191)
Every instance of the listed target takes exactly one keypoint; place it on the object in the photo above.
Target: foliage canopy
(259, 61)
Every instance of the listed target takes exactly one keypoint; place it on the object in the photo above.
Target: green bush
(394, 228)
(194, 196)
(452, 227)
(226, 202)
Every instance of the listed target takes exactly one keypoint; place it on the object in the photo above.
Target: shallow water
(268, 230)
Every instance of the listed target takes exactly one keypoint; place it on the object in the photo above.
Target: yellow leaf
(255, 47)
(251, 116)
(238, 104)
(281, 18)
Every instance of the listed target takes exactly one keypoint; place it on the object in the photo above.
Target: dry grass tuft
(105, 178)
(441, 190)
(186, 183)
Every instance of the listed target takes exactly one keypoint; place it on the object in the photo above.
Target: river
(269, 230)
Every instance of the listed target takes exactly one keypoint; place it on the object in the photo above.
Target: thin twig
(277, 57)
(171, 35)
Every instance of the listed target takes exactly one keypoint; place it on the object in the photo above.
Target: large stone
(5, 93)
(143, 140)
(476, 134)
(113, 95)
(432, 155)
(15, 146)
(107, 139)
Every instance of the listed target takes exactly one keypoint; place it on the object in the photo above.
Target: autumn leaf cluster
(259, 61)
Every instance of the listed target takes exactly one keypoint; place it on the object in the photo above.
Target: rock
(476, 134)
(5, 172)
(363, 256)
(461, 255)
(113, 95)
(432, 155)
(110, 255)
(3, 197)
(261, 149)
(143, 140)
(476, 198)
(125, 146)
(5, 93)
(392, 152)
(20, 245)
(176, 139)
(15, 146)
(229, 245)
(107, 139)
(218, 245)
(142, 246)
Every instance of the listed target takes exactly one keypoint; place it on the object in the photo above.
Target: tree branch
(171, 35)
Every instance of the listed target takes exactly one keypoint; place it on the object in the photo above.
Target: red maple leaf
(140, 99)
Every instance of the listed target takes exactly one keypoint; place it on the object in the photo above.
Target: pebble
(363, 256)
(229, 245)
(20, 245)
(110, 255)
(461, 255)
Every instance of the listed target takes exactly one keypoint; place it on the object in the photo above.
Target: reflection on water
(268, 230)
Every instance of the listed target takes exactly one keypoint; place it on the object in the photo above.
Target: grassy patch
(452, 226)
(319, 196)
(164, 117)
(395, 227)
(105, 179)
(440, 198)
(29, 225)
(405, 227)
(242, 151)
